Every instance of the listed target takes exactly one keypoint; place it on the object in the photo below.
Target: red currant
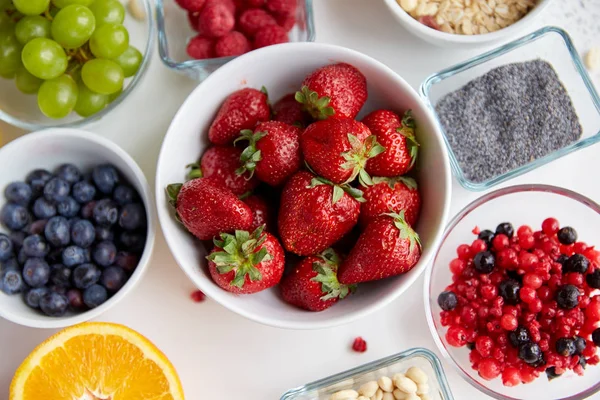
(532, 280)
(511, 376)
(509, 322)
(550, 226)
(527, 294)
(535, 305)
(592, 311)
(526, 242)
(477, 246)
(457, 266)
(464, 252)
(524, 230)
(488, 292)
(500, 242)
(489, 368)
(580, 247)
(456, 336)
(484, 345)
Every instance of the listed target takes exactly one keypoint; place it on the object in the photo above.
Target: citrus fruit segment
(96, 361)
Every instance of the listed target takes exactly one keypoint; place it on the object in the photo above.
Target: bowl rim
(337, 53)
(149, 50)
(444, 37)
(93, 140)
(427, 299)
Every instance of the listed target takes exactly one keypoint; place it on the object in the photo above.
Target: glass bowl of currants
(512, 295)
(67, 63)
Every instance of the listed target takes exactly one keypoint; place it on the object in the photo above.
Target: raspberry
(269, 35)
(281, 6)
(193, 20)
(198, 296)
(489, 368)
(191, 5)
(215, 20)
(251, 20)
(230, 4)
(232, 44)
(201, 47)
(286, 21)
(255, 3)
(550, 226)
(359, 345)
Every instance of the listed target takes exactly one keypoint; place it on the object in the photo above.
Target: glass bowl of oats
(466, 22)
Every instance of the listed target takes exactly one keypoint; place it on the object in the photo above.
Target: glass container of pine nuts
(415, 374)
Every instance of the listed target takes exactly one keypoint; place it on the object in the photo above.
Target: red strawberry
(338, 149)
(391, 195)
(387, 247)
(333, 91)
(313, 284)
(262, 214)
(314, 214)
(270, 35)
(282, 6)
(219, 163)
(215, 20)
(253, 19)
(273, 152)
(246, 262)
(207, 209)
(232, 44)
(286, 21)
(398, 138)
(191, 5)
(241, 110)
(201, 47)
(288, 110)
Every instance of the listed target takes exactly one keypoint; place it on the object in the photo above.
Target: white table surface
(220, 355)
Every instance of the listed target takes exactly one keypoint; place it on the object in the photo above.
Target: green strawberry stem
(406, 232)
(357, 157)
(338, 190)
(408, 131)
(317, 107)
(172, 193)
(239, 253)
(195, 171)
(408, 181)
(250, 156)
(326, 270)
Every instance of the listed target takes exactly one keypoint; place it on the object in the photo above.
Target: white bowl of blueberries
(76, 227)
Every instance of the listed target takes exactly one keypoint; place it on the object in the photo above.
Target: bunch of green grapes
(74, 54)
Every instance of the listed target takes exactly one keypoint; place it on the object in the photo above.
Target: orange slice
(96, 361)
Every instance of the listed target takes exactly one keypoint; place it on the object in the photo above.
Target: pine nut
(405, 384)
(347, 394)
(368, 389)
(386, 384)
(417, 375)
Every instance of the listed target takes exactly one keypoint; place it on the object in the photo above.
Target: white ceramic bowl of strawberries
(379, 257)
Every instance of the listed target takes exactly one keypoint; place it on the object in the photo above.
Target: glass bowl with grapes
(67, 63)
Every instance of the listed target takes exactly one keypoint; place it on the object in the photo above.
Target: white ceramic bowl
(444, 39)
(281, 69)
(48, 149)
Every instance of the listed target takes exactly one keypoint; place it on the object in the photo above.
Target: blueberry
(68, 173)
(83, 233)
(58, 289)
(87, 211)
(484, 262)
(593, 279)
(106, 212)
(530, 353)
(104, 233)
(22, 257)
(519, 336)
(6, 247)
(60, 275)
(17, 239)
(567, 235)
(132, 216)
(551, 373)
(487, 236)
(68, 208)
(57, 190)
(596, 337)
(73, 255)
(105, 178)
(505, 228)
(104, 253)
(14, 216)
(132, 241)
(83, 192)
(72, 221)
(128, 261)
(18, 193)
(113, 278)
(43, 209)
(37, 179)
(54, 304)
(35, 246)
(33, 296)
(11, 263)
(11, 281)
(580, 344)
(75, 298)
(55, 255)
(567, 297)
(36, 227)
(94, 296)
(124, 194)
(36, 272)
(565, 346)
(562, 259)
(57, 231)
(576, 263)
(85, 276)
(447, 301)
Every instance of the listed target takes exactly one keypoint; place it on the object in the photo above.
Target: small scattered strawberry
(262, 213)
(288, 110)
(207, 209)
(313, 285)
(243, 109)
(282, 6)
(215, 20)
(387, 247)
(333, 91)
(197, 296)
(391, 195)
(232, 44)
(359, 345)
(338, 149)
(246, 262)
(201, 47)
(273, 152)
(398, 138)
(270, 35)
(191, 5)
(219, 163)
(314, 213)
(252, 20)
(286, 21)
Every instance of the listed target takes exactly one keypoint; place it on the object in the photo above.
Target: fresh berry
(106, 212)
(113, 278)
(241, 110)
(33, 296)
(215, 20)
(104, 253)
(83, 192)
(132, 241)
(18, 193)
(220, 163)
(530, 353)
(132, 216)
(550, 226)
(288, 110)
(487, 236)
(85, 276)
(56, 190)
(576, 263)
(447, 301)
(57, 231)
(54, 304)
(6, 247)
(314, 214)
(43, 208)
(489, 368)
(73, 255)
(105, 177)
(281, 6)
(246, 262)
(252, 20)
(35, 246)
(198, 296)
(87, 211)
(14, 216)
(341, 91)
(37, 179)
(273, 152)
(254, 3)
(233, 43)
(567, 235)
(484, 262)
(262, 214)
(68, 173)
(580, 344)
(565, 347)
(83, 233)
(68, 208)
(596, 337)
(17, 239)
(389, 244)
(286, 21)
(60, 275)
(567, 297)
(191, 5)
(11, 281)
(505, 228)
(593, 279)
(95, 296)
(229, 4)
(126, 260)
(75, 299)
(359, 345)
(124, 194)
(36, 272)
(270, 35)
(551, 373)
(391, 195)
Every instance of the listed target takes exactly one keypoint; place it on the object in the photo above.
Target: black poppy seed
(507, 118)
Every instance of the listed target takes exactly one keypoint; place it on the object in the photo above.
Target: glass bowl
(550, 44)
(21, 110)
(352, 379)
(522, 204)
(174, 32)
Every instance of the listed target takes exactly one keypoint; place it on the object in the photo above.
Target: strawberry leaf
(408, 181)
(326, 270)
(408, 120)
(250, 155)
(264, 90)
(172, 193)
(338, 193)
(357, 157)
(195, 171)
(404, 229)
(317, 107)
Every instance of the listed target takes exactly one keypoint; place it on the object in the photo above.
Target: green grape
(44, 58)
(102, 76)
(10, 55)
(88, 102)
(31, 7)
(130, 61)
(109, 41)
(31, 27)
(6, 23)
(26, 82)
(4, 4)
(108, 12)
(112, 97)
(64, 3)
(73, 26)
(57, 97)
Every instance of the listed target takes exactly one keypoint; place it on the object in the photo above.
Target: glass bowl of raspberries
(198, 36)
(512, 294)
